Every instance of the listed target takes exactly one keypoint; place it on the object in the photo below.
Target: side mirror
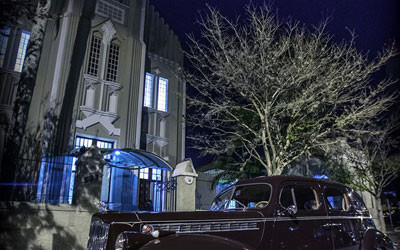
(292, 210)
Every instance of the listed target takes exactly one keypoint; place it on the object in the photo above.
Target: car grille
(206, 227)
(98, 235)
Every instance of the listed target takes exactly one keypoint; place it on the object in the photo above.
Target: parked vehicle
(280, 212)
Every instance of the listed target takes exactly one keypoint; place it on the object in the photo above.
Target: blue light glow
(322, 176)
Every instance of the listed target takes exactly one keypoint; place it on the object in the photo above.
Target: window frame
(151, 90)
(359, 198)
(5, 34)
(345, 196)
(90, 64)
(243, 185)
(312, 186)
(155, 92)
(20, 57)
(112, 62)
(165, 96)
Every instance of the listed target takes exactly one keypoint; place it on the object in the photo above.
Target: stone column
(88, 181)
(185, 175)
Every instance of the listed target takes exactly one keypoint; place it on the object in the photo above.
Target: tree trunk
(17, 169)
(379, 220)
(79, 50)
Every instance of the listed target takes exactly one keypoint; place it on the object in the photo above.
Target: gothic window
(94, 57)
(23, 44)
(4, 35)
(112, 66)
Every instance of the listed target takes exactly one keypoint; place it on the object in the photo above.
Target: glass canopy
(135, 158)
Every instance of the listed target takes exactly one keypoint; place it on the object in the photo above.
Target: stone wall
(205, 191)
(43, 226)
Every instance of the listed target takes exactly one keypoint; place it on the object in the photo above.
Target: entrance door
(145, 202)
(301, 217)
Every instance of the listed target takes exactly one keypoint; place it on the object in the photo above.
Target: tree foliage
(270, 91)
(12, 11)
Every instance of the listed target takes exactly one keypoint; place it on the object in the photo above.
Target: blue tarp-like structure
(135, 158)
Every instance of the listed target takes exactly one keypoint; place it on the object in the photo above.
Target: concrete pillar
(88, 181)
(112, 107)
(185, 175)
(89, 102)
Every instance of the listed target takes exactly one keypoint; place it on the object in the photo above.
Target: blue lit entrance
(135, 180)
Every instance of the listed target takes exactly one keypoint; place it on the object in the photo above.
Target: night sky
(376, 22)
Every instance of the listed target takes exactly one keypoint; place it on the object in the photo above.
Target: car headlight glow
(120, 242)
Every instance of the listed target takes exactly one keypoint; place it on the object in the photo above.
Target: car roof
(276, 180)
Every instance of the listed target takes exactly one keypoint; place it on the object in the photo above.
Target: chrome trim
(208, 226)
(244, 220)
(98, 235)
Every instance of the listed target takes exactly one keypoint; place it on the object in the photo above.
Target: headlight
(120, 242)
(147, 229)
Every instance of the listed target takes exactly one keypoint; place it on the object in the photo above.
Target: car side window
(358, 203)
(246, 196)
(287, 197)
(336, 199)
(221, 202)
(302, 196)
(251, 196)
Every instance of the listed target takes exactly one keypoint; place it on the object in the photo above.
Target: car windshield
(243, 197)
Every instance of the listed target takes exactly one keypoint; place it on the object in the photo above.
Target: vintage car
(280, 212)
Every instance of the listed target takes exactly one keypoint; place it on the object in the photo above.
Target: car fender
(373, 239)
(194, 242)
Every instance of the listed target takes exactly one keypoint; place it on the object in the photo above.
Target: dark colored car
(263, 213)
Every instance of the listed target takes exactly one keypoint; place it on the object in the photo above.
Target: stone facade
(127, 42)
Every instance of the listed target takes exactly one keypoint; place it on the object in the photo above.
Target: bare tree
(370, 162)
(272, 91)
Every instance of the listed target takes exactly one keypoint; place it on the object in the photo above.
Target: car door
(300, 218)
(240, 213)
(343, 224)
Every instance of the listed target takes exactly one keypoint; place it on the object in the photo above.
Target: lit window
(23, 44)
(4, 35)
(162, 94)
(156, 174)
(144, 173)
(94, 57)
(148, 91)
(112, 66)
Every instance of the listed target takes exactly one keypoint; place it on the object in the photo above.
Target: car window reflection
(248, 196)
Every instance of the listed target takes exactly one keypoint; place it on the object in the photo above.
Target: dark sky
(376, 22)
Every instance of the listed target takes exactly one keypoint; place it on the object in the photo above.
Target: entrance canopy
(135, 158)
